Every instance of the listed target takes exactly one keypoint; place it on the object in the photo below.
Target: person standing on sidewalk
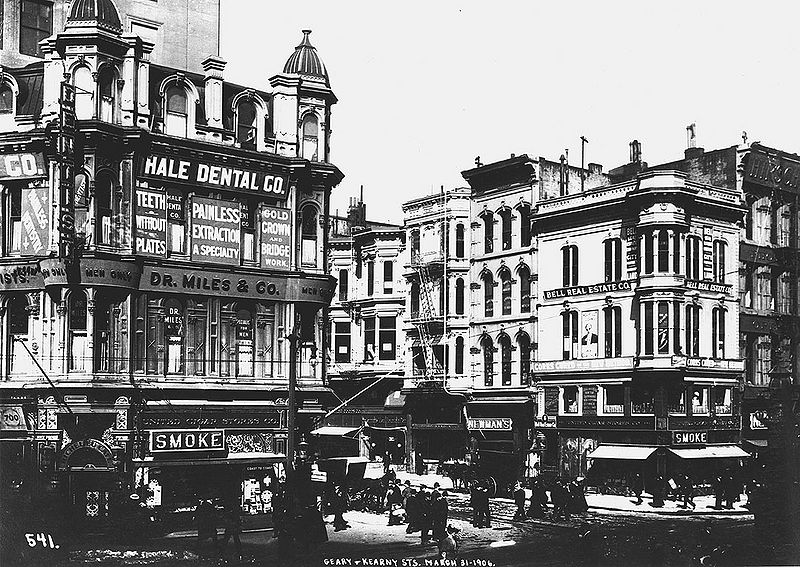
(425, 514)
(206, 518)
(232, 520)
(440, 511)
(688, 492)
(538, 505)
(637, 487)
(393, 501)
(519, 500)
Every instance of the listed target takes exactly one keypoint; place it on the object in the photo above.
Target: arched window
(488, 233)
(343, 285)
(505, 359)
(505, 217)
(104, 198)
(719, 261)
(246, 128)
(459, 240)
(107, 86)
(84, 93)
(505, 279)
(612, 326)
(17, 317)
(6, 99)
(488, 294)
(309, 230)
(310, 138)
(524, 275)
(488, 360)
(718, 333)
(693, 260)
(459, 355)
(176, 114)
(525, 225)
(524, 346)
(613, 259)
(692, 330)
(76, 325)
(459, 296)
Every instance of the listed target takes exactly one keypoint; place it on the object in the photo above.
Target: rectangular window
(341, 342)
(488, 234)
(762, 220)
(723, 400)
(370, 277)
(699, 400)
(35, 24)
(783, 289)
(369, 339)
(763, 288)
(343, 284)
(746, 285)
(676, 401)
(719, 261)
(613, 399)
(570, 333)
(784, 218)
(762, 360)
(613, 331)
(692, 330)
(569, 255)
(648, 328)
(570, 401)
(648, 254)
(663, 327)
(388, 337)
(663, 251)
(693, 260)
(15, 221)
(718, 333)
(388, 276)
(641, 400)
(613, 260)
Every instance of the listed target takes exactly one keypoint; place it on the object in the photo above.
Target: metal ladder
(427, 314)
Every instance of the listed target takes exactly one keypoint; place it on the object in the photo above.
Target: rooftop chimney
(692, 150)
(636, 151)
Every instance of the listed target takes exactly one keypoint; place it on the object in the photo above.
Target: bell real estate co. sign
(607, 287)
(216, 231)
(168, 440)
(214, 176)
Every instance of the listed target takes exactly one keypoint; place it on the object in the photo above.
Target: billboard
(216, 231)
(35, 221)
(276, 238)
(151, 222)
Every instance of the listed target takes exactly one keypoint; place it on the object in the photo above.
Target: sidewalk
(704, 505)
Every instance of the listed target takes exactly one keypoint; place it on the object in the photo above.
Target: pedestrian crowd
(727, 488)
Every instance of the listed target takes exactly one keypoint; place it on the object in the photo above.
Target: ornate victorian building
(162, 234)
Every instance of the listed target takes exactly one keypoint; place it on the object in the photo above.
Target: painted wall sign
(772, 170)
(276, 238)
(695, 423)
(205, 282)
(727, 289)
(608, 287)
(91, 271)
(588, 364)
(151, 222)
(20, 277)
(22, 166)
(35, 221)
(489, 423)
(211, 419)
(215, 176)
(689, 437)
(565, 422)
(216, 231)
(187, 440)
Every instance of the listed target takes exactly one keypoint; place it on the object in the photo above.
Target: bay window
(77, 336)
(459, 240)
(459, 355)
(692, 342)
(694, 262)
(460, 296)
(309, 236)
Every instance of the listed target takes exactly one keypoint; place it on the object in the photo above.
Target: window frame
(603, 404)
(342, 339)
(387, 334)
(562, 410)
(569, 265)
(39, 32)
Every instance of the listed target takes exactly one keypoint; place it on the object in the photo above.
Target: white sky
(424, 87)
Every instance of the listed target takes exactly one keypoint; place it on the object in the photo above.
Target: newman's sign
(213, 176)
(489, 423)
(162, 441)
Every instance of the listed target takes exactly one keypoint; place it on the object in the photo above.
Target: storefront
(211, 451)
(438, 427)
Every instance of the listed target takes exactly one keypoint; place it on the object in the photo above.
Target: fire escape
(428, 322)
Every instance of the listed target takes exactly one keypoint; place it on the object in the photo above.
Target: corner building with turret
(163, 231)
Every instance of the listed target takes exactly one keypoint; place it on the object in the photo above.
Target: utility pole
(584, 141)
(290, 422)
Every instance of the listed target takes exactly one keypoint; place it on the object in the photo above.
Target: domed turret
(306, 62)
(100, 13)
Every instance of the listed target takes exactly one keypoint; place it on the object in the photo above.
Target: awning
(622, 452)
(255, 458)
(760, 443)
(395, 400)
(500, 400)
(336, 431)
(712, 452)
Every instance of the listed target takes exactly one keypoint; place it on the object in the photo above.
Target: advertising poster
(589, 334)
(35, 221)
(276, 238)
(216, 231)
(151, 222)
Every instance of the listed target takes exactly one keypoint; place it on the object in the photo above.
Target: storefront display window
(676, 401)
(641, 400)
(613, 399)
(723, 400)
(570, 403)
(699, 401)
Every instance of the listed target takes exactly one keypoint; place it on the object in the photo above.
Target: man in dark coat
(688, 492)
(560, 499)
(538, 505)
(393, 502)
(412, 511)
(659, 489)
(637, 487)
(232, 520)
(519, 500)
(425, 514)
(439, 512)
(484, 514)
(474, 501)
(206, 518)
(338, 507)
